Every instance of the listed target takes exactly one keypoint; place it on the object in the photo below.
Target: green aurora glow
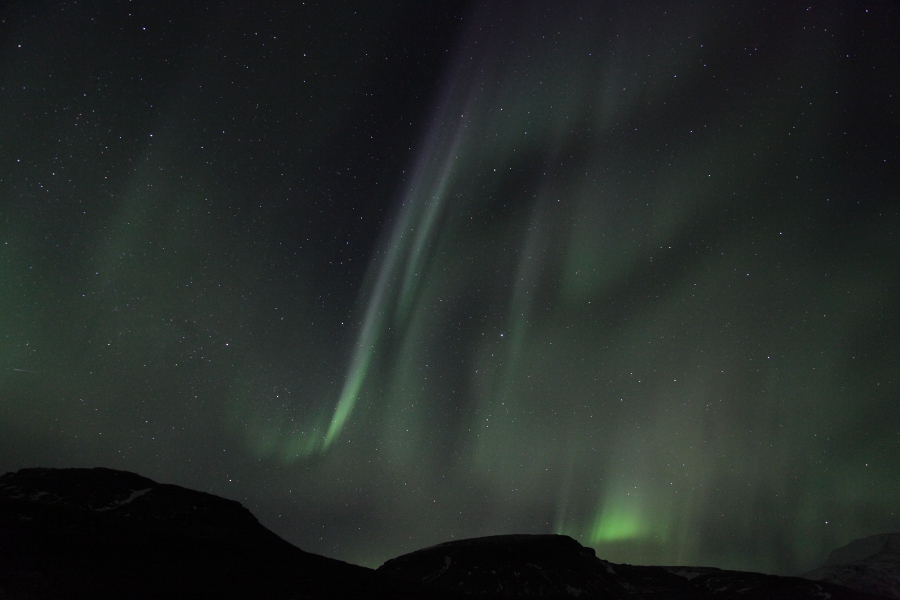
(635, 284)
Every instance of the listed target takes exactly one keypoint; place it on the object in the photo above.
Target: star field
(397, 274)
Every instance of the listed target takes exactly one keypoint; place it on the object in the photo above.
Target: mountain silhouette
(100, 534)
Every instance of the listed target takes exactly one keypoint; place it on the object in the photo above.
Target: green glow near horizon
(617, 521)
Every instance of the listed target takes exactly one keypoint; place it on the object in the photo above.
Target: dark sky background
(391, 274)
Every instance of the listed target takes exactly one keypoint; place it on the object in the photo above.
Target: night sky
(391, 274)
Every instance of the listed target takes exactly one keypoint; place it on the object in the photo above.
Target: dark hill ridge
(555, 566)
(100, 534)
(511, 565)
(130, 500)
(871, 563)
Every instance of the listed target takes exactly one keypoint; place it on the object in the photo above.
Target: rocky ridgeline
(555, 566)
(103, 534)
(871, 563)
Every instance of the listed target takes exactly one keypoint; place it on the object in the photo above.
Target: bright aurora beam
(406, 254)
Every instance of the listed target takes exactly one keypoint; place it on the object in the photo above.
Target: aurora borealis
(392, 274)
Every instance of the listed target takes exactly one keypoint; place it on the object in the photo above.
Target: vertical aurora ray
(405, 256)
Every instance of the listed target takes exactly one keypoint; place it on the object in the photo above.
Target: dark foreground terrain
(871, 564)
(101, 534)
(557, 566)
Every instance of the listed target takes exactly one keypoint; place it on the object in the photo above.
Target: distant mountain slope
(554, 566)
(871, 564)
(100, 533)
